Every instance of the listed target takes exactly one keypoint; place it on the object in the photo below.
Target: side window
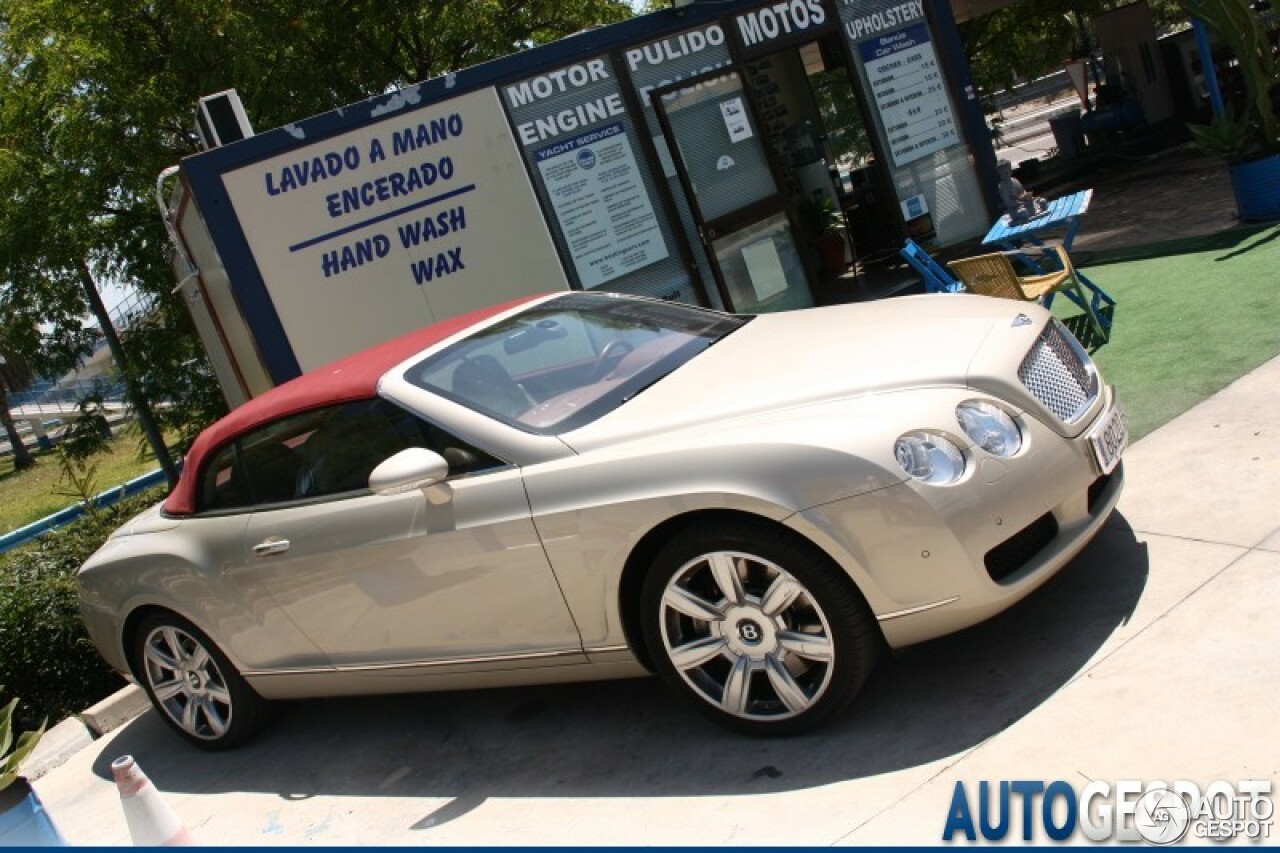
(272, 457)
(223, 485)
(353, 439)
(261, 467)
(323, 452)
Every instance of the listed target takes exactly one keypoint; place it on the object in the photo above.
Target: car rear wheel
(193, 686)
(759, 629)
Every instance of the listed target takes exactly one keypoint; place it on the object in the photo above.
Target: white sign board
(735, 119)
(764, 268)
(422, 215)
(601, 204)
(909, 94)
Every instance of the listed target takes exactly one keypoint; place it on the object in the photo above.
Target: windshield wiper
(645, 387)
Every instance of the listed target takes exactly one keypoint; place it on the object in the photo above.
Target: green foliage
(45, 654)
(819, 216)
(96, 98)
(1237, 25)
(79, 481)
(1031, 38)
(12, 755)
(846, 132)
(1226, 136)
(86, 437)
(1020, 42)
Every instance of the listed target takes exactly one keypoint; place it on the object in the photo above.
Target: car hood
(778, 361)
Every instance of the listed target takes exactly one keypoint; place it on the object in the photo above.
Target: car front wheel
(759, 629)
(193, 686)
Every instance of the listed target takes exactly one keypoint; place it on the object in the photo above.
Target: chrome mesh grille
(1059, 373)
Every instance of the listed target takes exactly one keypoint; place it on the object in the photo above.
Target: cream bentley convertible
(587, 486)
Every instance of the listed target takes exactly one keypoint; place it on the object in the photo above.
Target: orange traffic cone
(151, 821)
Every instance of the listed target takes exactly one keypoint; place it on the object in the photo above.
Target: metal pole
(1206, 66)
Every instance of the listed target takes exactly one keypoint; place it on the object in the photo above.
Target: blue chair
(936, 277)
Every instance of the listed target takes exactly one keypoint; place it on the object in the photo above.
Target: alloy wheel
(186, 682)
(747, 636)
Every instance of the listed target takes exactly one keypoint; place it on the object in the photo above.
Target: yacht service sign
(421, 214)
(601, 204)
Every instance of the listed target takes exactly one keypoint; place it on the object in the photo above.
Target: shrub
(45, 654)
(13, 754)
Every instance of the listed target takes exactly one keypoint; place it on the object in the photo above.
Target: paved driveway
(1152, 656)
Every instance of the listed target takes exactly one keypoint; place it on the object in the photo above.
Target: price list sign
(909, 93)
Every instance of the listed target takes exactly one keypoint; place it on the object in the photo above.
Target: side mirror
(412, 468)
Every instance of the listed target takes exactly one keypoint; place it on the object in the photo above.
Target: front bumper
(931, 561)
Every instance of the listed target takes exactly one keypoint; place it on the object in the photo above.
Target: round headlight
(989, 427)
(929, 458)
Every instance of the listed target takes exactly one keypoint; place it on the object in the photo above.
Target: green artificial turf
(1191, 317)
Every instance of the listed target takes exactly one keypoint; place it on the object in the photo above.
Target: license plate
(1109, 438)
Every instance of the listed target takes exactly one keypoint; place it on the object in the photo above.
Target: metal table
(1062, 213)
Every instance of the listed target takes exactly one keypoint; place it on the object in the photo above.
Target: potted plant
(23, 821)
(825, 226)
(1250, 143)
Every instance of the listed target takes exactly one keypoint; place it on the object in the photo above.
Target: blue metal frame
(973, 121)
(1063, 212)
(1207, 67)
(937, 279)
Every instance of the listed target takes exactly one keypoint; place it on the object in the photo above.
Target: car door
(453, 574)
(232, 604)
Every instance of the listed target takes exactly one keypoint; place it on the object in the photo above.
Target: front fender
(592, 510)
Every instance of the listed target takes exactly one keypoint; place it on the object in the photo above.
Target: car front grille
(1059, 373)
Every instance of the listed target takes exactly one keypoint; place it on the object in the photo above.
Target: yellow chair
(994, 275)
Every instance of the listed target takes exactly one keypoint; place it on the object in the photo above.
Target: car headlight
(929, 457)
(990, 427)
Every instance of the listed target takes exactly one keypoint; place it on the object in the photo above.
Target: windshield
(570, 360)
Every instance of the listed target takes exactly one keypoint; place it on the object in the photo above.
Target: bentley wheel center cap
(749, 632)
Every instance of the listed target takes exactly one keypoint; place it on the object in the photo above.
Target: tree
(40, 322)
(1238, 26)
(1031, 38)
(12, 377)
(96, 98)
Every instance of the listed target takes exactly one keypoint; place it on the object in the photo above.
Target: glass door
(723, 167)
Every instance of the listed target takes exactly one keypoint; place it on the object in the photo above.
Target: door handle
(271, 546)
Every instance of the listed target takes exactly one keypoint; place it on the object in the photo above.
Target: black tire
(823, 643)
(192, 685)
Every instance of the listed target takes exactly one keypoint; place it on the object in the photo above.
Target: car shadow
(634, 739)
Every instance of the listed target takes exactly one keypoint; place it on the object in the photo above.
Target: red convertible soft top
(354, 377)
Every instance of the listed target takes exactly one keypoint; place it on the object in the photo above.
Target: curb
(74, 733)
(117, 709)
(55, 748)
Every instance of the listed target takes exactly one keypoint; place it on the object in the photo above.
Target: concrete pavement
(1152, 656)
